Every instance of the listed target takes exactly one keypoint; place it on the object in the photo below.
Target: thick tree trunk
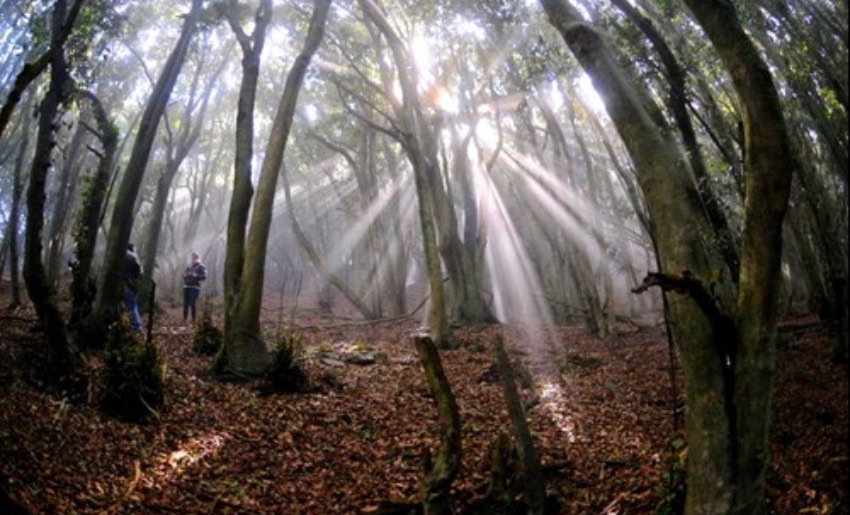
(769, 165)
(247, 353)
(243, 190)
(121, 223)
(679, 226)
(726, 239)
(60, 353)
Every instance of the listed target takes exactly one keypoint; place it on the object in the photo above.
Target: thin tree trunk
(441, 471)
(425, 168)
(176, 152)
(63, 205)
(15, 211)
(535, 487)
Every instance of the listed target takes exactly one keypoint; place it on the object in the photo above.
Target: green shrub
(208, 338)
(287, 373)
(132, 379)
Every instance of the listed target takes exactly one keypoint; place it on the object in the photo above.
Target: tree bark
(89, 215)
(680, 228)
(247, 353)
(32, 71)
(121, 223)
(769, 166)
(61, 357)
(440, 472)
(243, 190)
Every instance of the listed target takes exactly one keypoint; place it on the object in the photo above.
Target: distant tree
(178, 144)
(32, 71)
(13, 227)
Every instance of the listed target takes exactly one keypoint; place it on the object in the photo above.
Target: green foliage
(673, 486)
(208, 337)
(132, 380)
(287, 373)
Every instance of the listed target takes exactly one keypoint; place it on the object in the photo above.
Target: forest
(398, 257)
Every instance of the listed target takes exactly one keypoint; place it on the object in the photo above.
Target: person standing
(192, 277)
(132, 272)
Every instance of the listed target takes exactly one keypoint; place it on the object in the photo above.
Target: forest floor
(603, 425)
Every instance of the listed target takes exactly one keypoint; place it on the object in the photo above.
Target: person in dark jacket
(192, 277)
(132, 272)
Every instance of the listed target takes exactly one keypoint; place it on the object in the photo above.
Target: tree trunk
(425, 169)
(246, 353)
(63, 205)
(15, 211)
(32, 71)
(532, 475)
(440, 472)
(121, 224)
(679, 228)
(726, 239)
(769, 165)
(177, 148)
(61, 357)
(89, 215)
(243, 190)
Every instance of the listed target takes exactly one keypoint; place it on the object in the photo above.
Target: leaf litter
(601, 413)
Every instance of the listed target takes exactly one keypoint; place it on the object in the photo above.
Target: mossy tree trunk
(442, 469)
(89, 214)
(61, 356)
(769, 165)
(681, 231)
(243, 189)
(729, 387)
(244, 351)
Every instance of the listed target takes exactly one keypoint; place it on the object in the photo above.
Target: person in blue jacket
(132, 272)
(192, 277)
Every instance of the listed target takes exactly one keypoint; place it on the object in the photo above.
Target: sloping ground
(602, 419)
